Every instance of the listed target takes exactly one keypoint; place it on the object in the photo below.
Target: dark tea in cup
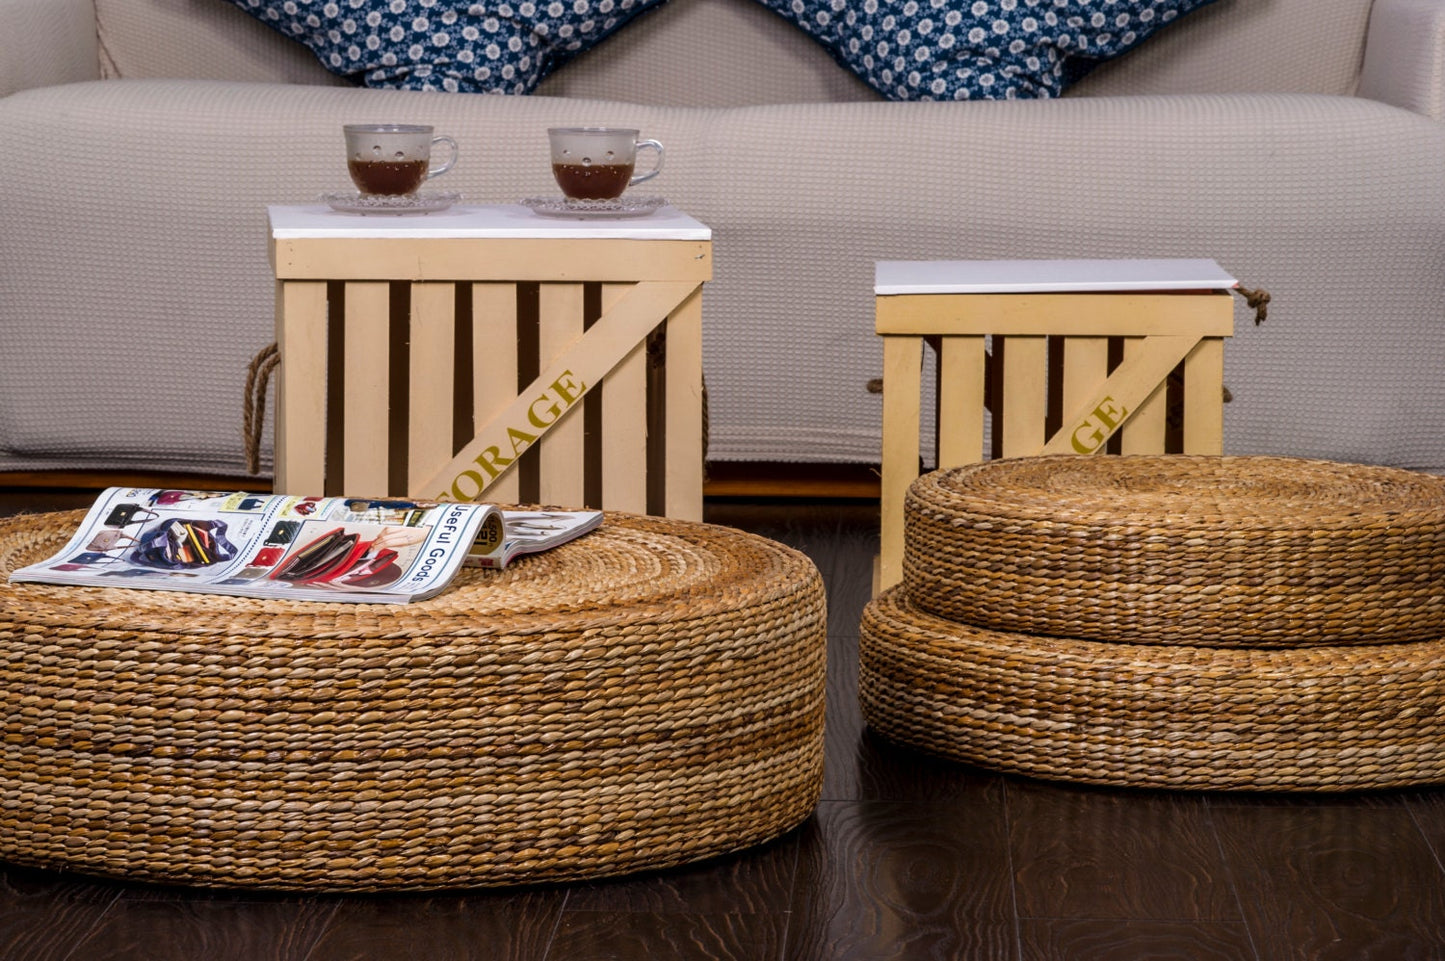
(393, 159)
(597, 163)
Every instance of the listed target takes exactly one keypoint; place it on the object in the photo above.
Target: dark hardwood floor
(905, 857)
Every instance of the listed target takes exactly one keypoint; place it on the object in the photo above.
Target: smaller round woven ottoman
(1217, 551)
(1258, 623)
(648, 695)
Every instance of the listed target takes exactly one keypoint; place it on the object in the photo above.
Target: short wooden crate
(1067, 356)
(488, 353)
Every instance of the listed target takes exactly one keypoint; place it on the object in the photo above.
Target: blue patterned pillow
(977, 49)
(446, 44)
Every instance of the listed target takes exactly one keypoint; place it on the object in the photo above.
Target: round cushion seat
(1181, 549)
(648, 695)
(1358, 716)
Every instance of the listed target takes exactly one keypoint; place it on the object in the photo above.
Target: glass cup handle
(436, 170)
(656, 168)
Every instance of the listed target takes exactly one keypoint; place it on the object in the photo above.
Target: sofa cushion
(984, 49)
(453, 45)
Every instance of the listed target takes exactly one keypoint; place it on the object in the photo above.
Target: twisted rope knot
(253, 408)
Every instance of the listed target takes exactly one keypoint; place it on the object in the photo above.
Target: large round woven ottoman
(648, 695)
(1169, 621)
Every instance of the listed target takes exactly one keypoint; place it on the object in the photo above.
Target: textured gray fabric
(50, 42)
(134, 285)
(1405, 59)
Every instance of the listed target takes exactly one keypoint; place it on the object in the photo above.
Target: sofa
(1298, 143)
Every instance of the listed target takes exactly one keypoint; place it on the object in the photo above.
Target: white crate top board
(1041, 276)
(504, 221)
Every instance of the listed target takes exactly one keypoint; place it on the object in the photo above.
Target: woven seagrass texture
(645, 696)
(1175, 549)
(1148, 715)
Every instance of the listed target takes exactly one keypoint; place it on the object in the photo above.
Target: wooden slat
(902, 380)
(683, 484)
(960, 400)
(1072, 314)
(1143, 433)
(364, 421)
(525, 259)
(429, 412)
(1086, 367)
(1025, 380)
(602, 347)
(301, 388)
(1088, 426)
(1203, 398)
(561, 453)
(494, 370)
(624, 425)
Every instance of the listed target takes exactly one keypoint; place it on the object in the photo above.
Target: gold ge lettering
(1101, 423)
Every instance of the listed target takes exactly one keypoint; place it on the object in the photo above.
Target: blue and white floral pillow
(446, 44)
(977, 49)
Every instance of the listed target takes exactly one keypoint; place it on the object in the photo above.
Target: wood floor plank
(673, 936)
(1350, 878)
(507, 926)
(1115, 940)
(1085, 853)
(43, 915)
(897, 880)
(755, 881)
(143, 929)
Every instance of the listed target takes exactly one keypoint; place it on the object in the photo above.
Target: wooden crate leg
(902, 383)
(301, 387)
(683, 491)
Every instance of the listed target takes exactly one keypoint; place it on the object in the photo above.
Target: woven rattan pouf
(648, 695)
(1169, 621)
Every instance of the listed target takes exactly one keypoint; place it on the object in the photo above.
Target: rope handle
(1258, 300)
(253, 408)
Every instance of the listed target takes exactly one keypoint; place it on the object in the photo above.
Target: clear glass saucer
(419, 203)
(590, 209)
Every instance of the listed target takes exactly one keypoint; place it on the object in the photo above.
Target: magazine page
(526, 532)
(268, 545)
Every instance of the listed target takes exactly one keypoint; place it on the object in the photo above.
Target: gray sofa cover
(1297, 142)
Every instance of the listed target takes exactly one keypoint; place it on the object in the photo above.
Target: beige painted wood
(591, 358)
(1086, 428)
(960, 400)
(521, 259)
(1203, 398)
(1074, 314)
(1143, 432)
(431, 385)
(624, 424)
(647, 281)
(364, 421)
(682, 485)
(902, 381)
(561, 452)
(1025, 394)
(494, 370)
(1086, 367)
(301, 388)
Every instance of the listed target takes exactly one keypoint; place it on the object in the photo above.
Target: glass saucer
(594, 209)
(421, 203)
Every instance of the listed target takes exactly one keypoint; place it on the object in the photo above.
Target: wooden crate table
(428, 354)
(1030, 343)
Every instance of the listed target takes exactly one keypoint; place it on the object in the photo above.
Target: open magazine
(302, 548)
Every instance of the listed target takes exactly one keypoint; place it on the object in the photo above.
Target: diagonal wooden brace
(1087, 428)
(555, 393)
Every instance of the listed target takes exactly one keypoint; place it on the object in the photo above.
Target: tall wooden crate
(488, 353)
(1042, 357)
